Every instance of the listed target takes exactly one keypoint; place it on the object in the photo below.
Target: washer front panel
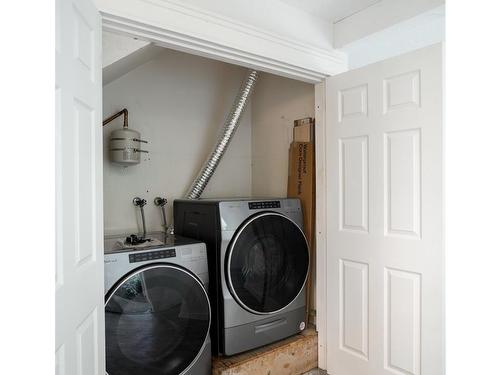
(267, 263)
(157, 321)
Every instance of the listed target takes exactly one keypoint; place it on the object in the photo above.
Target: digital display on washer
(261, 205)
(151, 255)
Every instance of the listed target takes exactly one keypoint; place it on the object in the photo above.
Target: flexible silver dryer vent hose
(228, 130)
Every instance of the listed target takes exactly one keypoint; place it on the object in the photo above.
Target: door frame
(320, 227)
(326, 65)
(199, 32)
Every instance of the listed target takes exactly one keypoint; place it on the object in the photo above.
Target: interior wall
(178, 103)
(377, 17)
(276, 103)
(423, 30)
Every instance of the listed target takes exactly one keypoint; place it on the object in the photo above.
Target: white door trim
(197, 31)
(321, 188)
(210, 35)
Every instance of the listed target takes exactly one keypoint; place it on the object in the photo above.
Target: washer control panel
(151, 255)
(265, 204)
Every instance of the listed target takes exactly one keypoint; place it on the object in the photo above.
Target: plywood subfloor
(292, 356)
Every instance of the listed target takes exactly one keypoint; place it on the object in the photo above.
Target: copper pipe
(123, 112)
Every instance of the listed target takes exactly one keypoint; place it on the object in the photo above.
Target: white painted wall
(178, 103)
(417, 32)
(276, 103)
(378, 17)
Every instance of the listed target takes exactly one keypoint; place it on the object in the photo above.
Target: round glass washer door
(157, 321)
(267, 263)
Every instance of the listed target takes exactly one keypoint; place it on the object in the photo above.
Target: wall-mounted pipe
(123, 112)
(228, 130)
(140, 202)
(161, 202)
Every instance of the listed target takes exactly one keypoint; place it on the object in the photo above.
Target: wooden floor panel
(293, 356)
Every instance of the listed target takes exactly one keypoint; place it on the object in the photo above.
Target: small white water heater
(124, 144)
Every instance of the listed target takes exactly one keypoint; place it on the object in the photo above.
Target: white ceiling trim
(200, 32)
(332, 10)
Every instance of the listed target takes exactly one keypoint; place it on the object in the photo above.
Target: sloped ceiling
(121, 54)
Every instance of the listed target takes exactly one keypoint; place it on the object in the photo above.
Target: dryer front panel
(157, 321)
(267, 263)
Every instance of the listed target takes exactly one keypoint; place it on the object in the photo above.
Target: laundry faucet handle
(139, 202)
(160, 201)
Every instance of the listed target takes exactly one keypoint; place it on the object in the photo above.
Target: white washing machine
(157, 311)
(258, 261)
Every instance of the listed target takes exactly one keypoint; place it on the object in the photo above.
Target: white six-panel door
(385, 217)
(79, 250)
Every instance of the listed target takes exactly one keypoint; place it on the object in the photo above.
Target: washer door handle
(270, 325)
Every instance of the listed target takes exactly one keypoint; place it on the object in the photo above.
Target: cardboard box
(302, 185)
(303, 130)
(301, 172)
(303, 121)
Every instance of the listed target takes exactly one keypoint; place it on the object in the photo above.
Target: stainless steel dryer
(157, 311)
(258, 262)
